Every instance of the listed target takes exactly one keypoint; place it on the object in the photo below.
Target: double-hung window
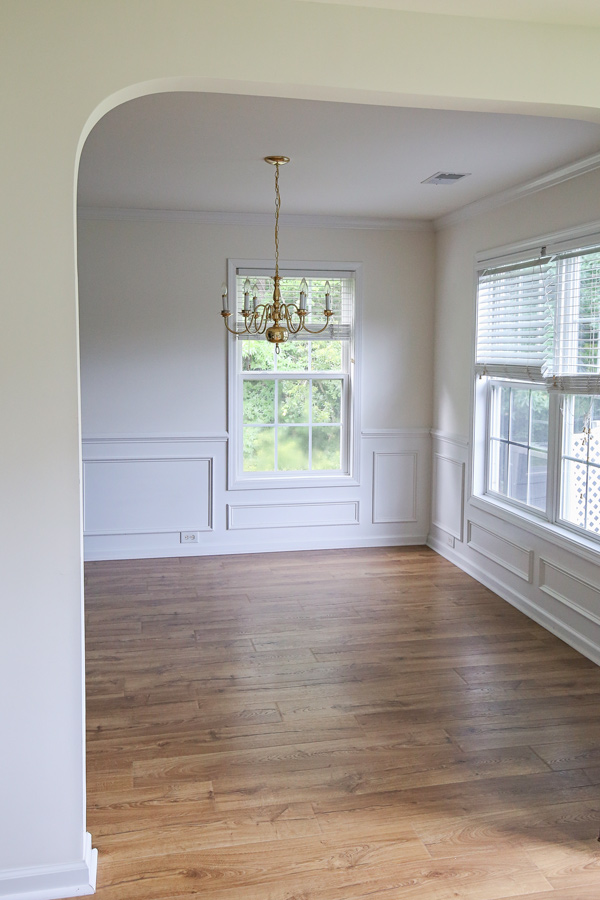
(538, 385)
(292, 413)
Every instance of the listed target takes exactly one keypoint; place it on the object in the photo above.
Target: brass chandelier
(276, 320)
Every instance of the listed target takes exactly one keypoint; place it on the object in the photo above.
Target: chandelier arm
(265, 315)
(253, 327)
(295, 329)
(319, 331)
(237, 333)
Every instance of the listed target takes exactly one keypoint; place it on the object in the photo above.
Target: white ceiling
(565, 12)
(194, 151)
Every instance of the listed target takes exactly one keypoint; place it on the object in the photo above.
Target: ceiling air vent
(445, 178)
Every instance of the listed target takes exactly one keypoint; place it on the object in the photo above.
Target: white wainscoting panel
(448, 495)
(145, 496)
(395, 486)
(292, 515)
(572, 590)
(141, 491)
(505, 553)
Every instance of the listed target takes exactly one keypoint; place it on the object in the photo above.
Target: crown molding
(550, 179)
(478, 207)
(199, 217)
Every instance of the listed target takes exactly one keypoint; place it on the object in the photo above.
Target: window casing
(537, 390)
(293, 416)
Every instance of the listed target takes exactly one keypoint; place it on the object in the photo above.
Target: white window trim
(547, 525)
(236, 479)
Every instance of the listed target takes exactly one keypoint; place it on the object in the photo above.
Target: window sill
(261, 482)
(586, 548)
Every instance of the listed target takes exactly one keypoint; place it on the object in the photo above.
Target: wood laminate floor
(336, 725)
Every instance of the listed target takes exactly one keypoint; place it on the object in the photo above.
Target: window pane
(593, 500)
(258, 356)
(594, 442)
(517, 473)
(573, 492)
(293, 357)
(259, 449)
(540, 404)
(326, 452)
(576, 419)
(326, 356)
(500, 411)
(538, 467)
(594, 436)
(519, 416)
(292, 449)
(259, 402)
(326, 400)
(293, 401)
(498, 476)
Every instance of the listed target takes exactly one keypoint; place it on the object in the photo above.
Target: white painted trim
(228, 549)
(52, 882)
(458, 535)
(567, 600)
(576, 235)
(319, 504)
(145, 459)
(154, 438)
(457, 439)
(133, 531)
(547, 531)
(497, 559)
(563, 631)
(202, 217)
(380, 520)
(391, 433)
(518, 192)
(236, 480)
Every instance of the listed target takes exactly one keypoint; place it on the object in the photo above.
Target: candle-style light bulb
(224, 297)
(255, 296)
(247, 294)
(327, 296)
(303, 293)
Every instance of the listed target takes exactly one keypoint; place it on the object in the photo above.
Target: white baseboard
(561, 629)
(230, 549)
(52, 882)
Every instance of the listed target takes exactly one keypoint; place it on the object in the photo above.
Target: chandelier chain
(277, 208)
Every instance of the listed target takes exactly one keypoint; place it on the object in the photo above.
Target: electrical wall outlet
(188, 537)
(450, 540)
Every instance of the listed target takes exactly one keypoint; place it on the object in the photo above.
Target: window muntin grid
(278, 441)
(518, 444)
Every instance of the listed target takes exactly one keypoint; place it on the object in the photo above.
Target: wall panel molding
(390, 507)
(457, 439)
(448, 495)
(556, 582)
(89, 439)
(394, 433)
(501, 551)
(292, 515)
(149, 495)
(395, 486)
(587, 644)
